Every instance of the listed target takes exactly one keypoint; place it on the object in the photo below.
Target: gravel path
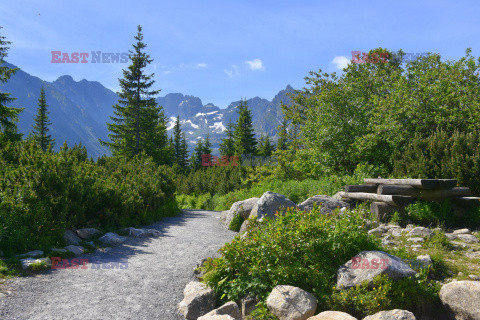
(150, 288)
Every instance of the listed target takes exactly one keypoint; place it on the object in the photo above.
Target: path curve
(150, 288)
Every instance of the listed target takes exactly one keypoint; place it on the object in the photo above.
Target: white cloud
(201, 65)
(255, 64)
(233, 72)
(341, 62)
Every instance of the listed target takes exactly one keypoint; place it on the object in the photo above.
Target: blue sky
(221, 51)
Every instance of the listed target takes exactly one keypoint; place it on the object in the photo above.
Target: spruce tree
(139, 125)
(265, 146)
(40, 128)
(245, 142)
(183, 159)
(227, 147)
(207, 146)
(180, 147)
(196, 159)
(8, 115)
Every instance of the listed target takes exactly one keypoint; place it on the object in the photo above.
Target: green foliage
(180, 146)
(44, 193)
(430, 213)
(138, 124)
(227, 146)
(236, 223)
(371, 111)
(442, 154)
(265, 146)
(261, 312)
(244, 136)
(286, 251)
(40, 129)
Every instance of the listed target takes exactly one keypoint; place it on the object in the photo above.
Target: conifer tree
(40, 128)
(207, 146)
(265, 146)
(227, 147)
(8, 115)
(196, 159)
(139, 125)
(180, 146)
(245, 142)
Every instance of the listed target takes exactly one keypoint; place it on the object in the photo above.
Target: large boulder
(112, 239)
(291, 303)
(395, 314)
(368, 264)
(269, 204)
(325, 203)
(88, 233)
(332, 315)
(71, 237)
(421, 232)
(230, 308)
(242, 208)
(198, 300)
(462, 299)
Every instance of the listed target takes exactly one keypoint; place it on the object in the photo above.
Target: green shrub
(430, 213)
(300, 249)
(236, 223)
(442, 155)
(44, 193)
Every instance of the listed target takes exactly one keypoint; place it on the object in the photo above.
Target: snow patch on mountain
(218, 127)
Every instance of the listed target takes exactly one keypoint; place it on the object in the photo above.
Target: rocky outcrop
(112, 239)
(71, 237)
(198, 300)
(28, 262)
(269, 204)
(325, 203)
(291, 303)
(461, 299)
(368, 264)
(89, 233)
(332, 315)
(395, 314)
(421, 232)
(230, 309)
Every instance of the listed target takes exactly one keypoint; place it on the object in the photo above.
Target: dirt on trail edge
(149, 288)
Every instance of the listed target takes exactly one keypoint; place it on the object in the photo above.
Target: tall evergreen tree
(196, 158)
(245, 142)
(265, 146)
(180, 146)
(207, 145)
(8, 115)
(282, 143)
(227, 147)
(40, 128)
(139, 125)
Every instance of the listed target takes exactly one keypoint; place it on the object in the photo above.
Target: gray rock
(462, 231)
(368, 264)
(198, 300)
(474, 277)
(216, 317)
(33, 254)
(230, 308)
(424, 261)
(421, 232)
(244, 207)
(88, 233)
(462, 299)
(244, 227)
(77, 250)
(291, 303)
(248, 304)
(112, 239)
(416, 240)
(378, 232)
(26, 263)
(469, 238)
(332, 315)
(269, 204)
(395, 314)
(397, 232)
(71, 238)
(327, 204)
(450, 236)
(141, 233)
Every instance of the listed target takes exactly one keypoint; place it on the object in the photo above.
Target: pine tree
(207, 146)
(8, 115)
(227, 147)
(40, 129)
(180, 146)
(245, 142)
(282, 143)
(196, 159)
(265, 146)
(139, 125)
(183, 160)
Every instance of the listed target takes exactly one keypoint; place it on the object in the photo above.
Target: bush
(44, 193)
(300, 249)
(236, 223)
(442, 155)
